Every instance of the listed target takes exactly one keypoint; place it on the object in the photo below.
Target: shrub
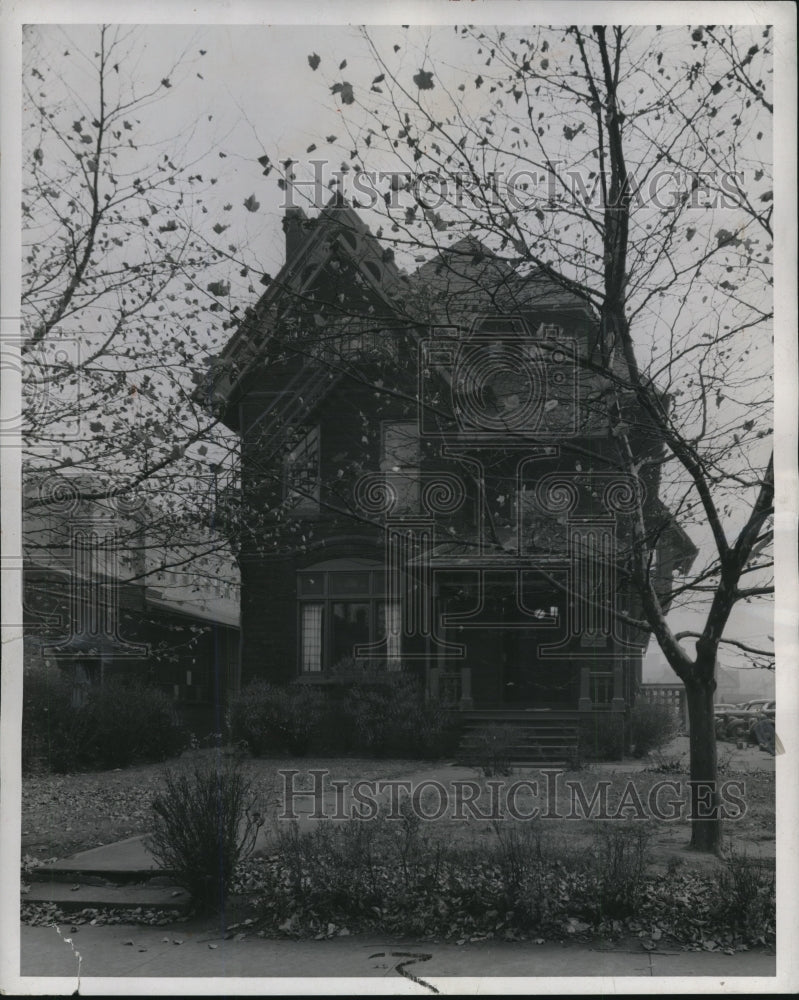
(528, 873)
(131, 722)
(119, 723)
(745, 897)
(378, 716)
(490, 748)
(399, 876)
(617, 863)
(390, 718)
(206, 822)
(435, 732)
(651, 727)
(273, 719)
(56, 735)
(602, 737)
(382, 872)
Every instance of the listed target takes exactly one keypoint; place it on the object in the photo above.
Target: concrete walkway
(196, 950)
(127, 859)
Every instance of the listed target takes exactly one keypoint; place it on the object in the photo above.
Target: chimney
(294, 226)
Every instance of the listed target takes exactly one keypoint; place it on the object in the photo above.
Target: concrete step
(487, 715)
(109, 877)
(122, 862)
(81, 896)
(550, 737)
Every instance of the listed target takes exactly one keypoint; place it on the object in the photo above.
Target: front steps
(523, 737)
(122, 876)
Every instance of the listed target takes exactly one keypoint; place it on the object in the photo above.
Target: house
(110, 587)
(431, 480)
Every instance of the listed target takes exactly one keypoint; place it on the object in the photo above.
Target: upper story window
(302, 471)
(399, 460)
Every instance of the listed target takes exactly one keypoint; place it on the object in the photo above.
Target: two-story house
(432, 480)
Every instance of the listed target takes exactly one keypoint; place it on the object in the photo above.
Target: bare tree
(125, 289)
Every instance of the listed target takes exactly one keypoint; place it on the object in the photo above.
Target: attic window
(373, 269)
(350, 239)
(510, 325)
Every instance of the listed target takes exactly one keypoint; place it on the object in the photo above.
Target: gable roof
(463, 281)
(468, 278)
(337, 234)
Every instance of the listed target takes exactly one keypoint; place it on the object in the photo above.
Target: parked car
(763, 705)
(735, 721)
(722, 713)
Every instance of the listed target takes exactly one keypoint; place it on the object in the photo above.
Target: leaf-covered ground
(65, 813)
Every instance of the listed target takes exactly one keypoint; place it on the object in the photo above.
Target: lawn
(436, 879)
(65, 813)
(62, 814)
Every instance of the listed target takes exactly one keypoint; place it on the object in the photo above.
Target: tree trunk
(705, 815)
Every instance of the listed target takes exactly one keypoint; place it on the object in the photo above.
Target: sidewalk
(198, 950)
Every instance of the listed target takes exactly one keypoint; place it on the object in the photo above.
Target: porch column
(617, 704)
(585, 704)
(433, 682)
(466, 688)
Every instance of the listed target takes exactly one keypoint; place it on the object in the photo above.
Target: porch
(599, 690)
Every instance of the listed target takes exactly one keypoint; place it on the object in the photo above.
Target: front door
(530, 680)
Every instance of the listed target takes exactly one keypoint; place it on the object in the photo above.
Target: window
(388, 625)
(311, 638)
(302, 472)
(343, 605)
(350, 627)
(400, 462)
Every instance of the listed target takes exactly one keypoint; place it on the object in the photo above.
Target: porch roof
(466, 555)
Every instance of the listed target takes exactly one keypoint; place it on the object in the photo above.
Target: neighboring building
(110, 590)
(429, 473)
